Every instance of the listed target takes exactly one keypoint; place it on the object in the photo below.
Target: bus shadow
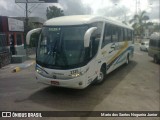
(80, 100)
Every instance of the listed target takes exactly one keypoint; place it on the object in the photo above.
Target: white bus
(75, 51)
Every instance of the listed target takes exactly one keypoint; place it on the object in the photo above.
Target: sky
(117, 9)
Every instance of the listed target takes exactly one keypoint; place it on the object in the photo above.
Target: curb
(30, 64)
(16, 69)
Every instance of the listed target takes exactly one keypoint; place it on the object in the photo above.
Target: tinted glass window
(114, 34)
(120, 34)
(132, 34)
(129, 35)
(61, 47)
(107, 35)
(154, 43)
(95, 38)
(125, 34)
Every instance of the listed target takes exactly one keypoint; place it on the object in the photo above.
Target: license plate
(54, 82)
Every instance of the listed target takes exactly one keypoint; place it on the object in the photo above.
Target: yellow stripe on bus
(119, 52)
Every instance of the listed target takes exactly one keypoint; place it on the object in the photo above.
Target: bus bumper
(76, 83)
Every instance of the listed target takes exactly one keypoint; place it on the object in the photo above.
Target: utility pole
(26, 25)
(26, 29)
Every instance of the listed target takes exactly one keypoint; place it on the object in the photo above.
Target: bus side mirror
(88, 35)
(29, 34)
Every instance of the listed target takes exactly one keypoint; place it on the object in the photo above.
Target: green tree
(139, 22)
(53, 11)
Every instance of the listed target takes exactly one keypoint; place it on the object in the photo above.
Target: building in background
(13, 29)
(11, 39)
(34, 22)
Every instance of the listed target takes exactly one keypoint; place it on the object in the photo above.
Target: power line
(34, 8)
(20, 6)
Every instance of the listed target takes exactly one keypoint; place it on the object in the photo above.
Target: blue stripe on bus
(131, 48)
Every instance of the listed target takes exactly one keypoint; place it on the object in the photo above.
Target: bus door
(116, 47)
(110, 46)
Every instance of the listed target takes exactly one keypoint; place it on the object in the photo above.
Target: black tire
(102, 76)
(140, 49)
(127, 59)
(0, 63)
(155, 59)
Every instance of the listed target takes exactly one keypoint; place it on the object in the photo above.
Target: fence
(5, 58)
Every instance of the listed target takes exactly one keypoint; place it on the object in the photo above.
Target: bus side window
(125, 36)
(114, 34)
(132, 34)
(95, 38)
(107, 35)
(120, 34)
(129, 35)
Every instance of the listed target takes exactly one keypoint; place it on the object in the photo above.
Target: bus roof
(82, 19)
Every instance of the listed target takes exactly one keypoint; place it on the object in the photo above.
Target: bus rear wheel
(127, 59)
(155, 59)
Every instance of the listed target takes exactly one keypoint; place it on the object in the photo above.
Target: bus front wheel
(101, 77)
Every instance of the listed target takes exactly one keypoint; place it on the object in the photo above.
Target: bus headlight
(78, 74)
(40, 70)
(75, 75)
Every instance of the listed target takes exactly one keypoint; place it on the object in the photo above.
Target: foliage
(139, 22)
(53, 11)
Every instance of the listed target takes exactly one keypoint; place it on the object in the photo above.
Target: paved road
(135, 87)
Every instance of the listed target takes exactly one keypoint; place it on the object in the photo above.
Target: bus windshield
(61, 47)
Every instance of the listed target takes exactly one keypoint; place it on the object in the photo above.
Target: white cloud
(112, 8)
(3, 4)
(74, 7)
(120, 8)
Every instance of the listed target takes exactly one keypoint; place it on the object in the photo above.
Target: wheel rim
(101, 76)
